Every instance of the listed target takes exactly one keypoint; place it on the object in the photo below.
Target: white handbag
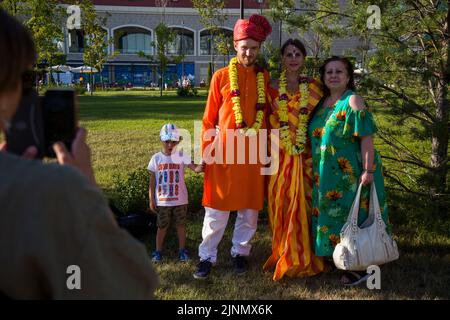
(367, 245)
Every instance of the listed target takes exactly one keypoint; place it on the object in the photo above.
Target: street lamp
(281, 31)
(242, 9)
(287, 12)
(260, 5)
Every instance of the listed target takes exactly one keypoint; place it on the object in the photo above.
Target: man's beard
(247, 62)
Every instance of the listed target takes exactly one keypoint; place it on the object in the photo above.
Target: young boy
(167, 191)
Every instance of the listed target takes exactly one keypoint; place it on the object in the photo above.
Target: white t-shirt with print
(169, 173)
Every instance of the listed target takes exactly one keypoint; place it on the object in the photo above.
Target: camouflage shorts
(166, 214)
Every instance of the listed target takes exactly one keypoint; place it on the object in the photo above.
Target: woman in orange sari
(289, 191)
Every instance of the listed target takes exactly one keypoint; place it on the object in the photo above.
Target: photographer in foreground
(58, 238)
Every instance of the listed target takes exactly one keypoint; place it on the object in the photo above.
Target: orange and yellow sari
(290, 202)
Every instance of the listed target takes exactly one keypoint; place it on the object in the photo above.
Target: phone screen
(60, 118)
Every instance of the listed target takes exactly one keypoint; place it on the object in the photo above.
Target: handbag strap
(374, 204)
(352, 218)
(374, 208)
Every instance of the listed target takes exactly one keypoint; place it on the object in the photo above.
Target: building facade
(131, 27)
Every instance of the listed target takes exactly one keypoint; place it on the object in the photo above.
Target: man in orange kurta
(233, 178)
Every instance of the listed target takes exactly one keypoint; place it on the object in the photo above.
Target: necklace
(303, 117)
(235, 98)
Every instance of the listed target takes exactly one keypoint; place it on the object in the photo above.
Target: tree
(164, 36)
(44, 20)
(270, 59)
(408, 66)
(96, 51)
(13, 7)
(319, 23)
(409, 72)
(224, 44)
(163, 4)
(209, 76)
(213, 17)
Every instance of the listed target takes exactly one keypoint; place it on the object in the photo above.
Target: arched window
(222, 40)
(76, 41)
(183, 43)
(132, 40)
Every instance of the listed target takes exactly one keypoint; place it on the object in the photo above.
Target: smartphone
(26, 129)
(60, 118)
(41, 121)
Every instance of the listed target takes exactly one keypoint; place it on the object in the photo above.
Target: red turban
(256, 27)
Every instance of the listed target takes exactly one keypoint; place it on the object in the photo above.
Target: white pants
(214, 226)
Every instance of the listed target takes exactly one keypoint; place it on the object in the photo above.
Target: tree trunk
(440, 134)
(212, 51)
(91, 83)
(162, 81)
(439, 141)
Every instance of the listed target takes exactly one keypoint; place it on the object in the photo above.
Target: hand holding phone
(42, 121)
(29, 153)
(79, 157)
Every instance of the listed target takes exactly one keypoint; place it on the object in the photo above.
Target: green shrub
(131, 193)
(116, 89)
(187, 92)
(194, 185)
(79, 89)
(139, 89)
(43, 89)
(312, 66)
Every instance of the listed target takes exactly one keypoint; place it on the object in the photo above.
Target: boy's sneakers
(183, 255)
(156, 256)
(203, 269)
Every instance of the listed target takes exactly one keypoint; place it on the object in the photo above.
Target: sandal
(329, 267)
(353, 278)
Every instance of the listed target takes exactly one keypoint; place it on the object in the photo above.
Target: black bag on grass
(136, 223)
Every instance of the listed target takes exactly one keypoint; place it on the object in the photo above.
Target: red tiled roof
(249, 4)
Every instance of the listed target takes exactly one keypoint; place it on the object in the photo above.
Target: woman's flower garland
(236, 99)
(303, 117)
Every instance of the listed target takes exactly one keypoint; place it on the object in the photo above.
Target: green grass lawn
(124, 133)
(124, 127)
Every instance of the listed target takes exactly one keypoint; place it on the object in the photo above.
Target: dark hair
(17, 52)
(296, 43)
(348, 67)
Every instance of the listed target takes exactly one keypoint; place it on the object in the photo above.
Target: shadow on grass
(422, 272)
(411, 214)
